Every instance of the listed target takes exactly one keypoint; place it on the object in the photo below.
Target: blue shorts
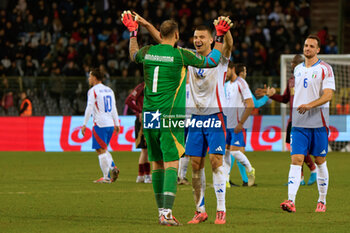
(200, 138)
(101, 136)
(309, 140)
(235, 139)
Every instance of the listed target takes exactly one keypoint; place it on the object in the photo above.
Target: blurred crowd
(55, 38)
(43, 38)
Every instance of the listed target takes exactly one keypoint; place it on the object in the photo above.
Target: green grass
(53, 192)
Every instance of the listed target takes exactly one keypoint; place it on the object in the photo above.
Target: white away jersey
(236, 93)
(188, 99)
(309, 85)
(101, 104)
(207, 95)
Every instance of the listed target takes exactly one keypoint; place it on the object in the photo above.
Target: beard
(309, 56)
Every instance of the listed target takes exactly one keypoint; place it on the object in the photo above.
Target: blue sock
(232, 162)
(243, 172)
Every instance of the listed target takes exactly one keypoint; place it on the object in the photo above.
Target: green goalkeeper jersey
(165, 70)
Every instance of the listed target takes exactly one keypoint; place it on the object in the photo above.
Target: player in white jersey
(207, 102)
(101, 104)
(239, 106)
(237, 101)
(314, 87)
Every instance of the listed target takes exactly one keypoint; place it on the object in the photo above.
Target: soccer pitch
(53, 192)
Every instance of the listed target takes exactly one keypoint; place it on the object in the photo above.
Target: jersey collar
(318, 62)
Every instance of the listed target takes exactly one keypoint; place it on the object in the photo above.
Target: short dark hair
(239, 67)
(315, 37)
(168, 28)
(204, 28)
(231, 64)
(297, 59)
(96, 73)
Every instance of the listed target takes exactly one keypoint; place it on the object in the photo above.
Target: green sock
(157, 182)
(170, 186)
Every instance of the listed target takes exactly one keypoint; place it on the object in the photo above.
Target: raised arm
(133, 48)
(228, 44)
(222, 26)
(282, 98)
(132, 26)
(150, 28)
(259, 102)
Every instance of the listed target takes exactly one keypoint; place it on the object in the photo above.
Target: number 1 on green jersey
(155, 79)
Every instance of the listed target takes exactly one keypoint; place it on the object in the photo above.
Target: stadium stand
(45, 42)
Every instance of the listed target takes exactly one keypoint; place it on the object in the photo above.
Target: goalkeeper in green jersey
(165, 70)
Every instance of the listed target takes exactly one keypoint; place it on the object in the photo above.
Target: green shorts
(164, 144)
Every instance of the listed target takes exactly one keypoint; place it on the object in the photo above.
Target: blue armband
(213, 59)
(260, 102)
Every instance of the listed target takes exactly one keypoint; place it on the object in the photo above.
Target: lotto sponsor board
(62, 133)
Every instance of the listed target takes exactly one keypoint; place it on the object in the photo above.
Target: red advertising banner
(22, 134)
(58, 133)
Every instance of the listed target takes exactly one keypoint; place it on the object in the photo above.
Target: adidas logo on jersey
(220, 191)
(237, 143)
(323, 152)
(218, 149)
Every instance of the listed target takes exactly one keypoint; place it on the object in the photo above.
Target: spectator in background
(71, 69)
(85, 49)
(57, 83)
(12, 70)
(45, 30)
(29, 70)
(57, 28)
(124, 73)
(331, 48)
(30, 27)
(7, 94)
(26, 105)
(20, 7)
(43, 50)
(72, 53)
(323, 35)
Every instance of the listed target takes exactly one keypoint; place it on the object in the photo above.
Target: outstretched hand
(269, 91)
(260, 92)
(222, 25)
(129, 21)
(139, 19)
